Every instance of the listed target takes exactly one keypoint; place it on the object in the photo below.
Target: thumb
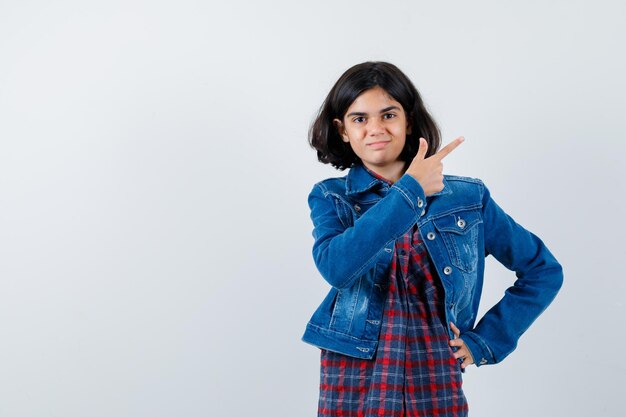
(423, 148)
(455, 330)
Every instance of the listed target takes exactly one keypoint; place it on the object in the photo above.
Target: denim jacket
(357, 219)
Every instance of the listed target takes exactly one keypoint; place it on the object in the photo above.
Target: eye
(359, 119)
(388, 116)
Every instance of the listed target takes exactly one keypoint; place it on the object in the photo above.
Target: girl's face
(376, 127)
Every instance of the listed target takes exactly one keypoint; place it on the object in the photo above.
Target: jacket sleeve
(539, 278)
(343, 254)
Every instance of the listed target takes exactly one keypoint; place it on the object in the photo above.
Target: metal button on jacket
(430, 235)
(447, 270)
(461, 223)
(357, 207)
(422, 213)
(420, 203)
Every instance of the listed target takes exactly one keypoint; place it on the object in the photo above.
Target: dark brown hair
(324, 136)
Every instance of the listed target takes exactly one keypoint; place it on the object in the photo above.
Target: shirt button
(430, 236)
(402, 252)
(447, 270)
(461, 223)
(357, 207)
(420, 203)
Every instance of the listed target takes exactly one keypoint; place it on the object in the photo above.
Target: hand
(429, 172)
(463, 351)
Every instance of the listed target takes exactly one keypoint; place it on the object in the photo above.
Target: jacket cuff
(411, 189)
(478, 348)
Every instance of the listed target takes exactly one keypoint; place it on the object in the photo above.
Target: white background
(154, 232)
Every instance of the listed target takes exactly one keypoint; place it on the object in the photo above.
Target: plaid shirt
(413, 372)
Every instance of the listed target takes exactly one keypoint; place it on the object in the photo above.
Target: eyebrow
(385, 110)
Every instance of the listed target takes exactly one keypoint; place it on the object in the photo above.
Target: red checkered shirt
(413, 372)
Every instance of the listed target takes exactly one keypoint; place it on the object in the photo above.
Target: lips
(378, 144)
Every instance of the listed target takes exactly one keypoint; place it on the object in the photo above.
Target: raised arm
(343, 254)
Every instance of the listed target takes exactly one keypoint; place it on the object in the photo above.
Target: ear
(341, 129)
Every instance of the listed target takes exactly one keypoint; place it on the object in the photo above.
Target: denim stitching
(456, 209)
(354, 301)
(405, 195)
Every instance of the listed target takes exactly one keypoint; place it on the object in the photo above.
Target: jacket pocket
(459, 231)
(345, 306)
(357, 308)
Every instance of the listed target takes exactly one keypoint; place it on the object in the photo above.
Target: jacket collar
(359, 180)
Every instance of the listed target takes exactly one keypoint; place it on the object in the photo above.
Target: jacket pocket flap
(458, 222)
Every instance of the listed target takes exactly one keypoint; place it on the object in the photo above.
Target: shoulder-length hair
(324, 136)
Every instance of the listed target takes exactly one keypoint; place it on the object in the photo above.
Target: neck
(393, 172)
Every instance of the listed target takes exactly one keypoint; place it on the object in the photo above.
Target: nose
(375, 127)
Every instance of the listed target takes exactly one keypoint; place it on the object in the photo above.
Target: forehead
(373, 98)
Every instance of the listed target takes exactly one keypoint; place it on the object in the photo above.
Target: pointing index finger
(449, 147)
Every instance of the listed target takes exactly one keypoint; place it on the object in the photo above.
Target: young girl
(403, 247)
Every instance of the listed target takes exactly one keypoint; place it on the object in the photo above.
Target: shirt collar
(361, 179)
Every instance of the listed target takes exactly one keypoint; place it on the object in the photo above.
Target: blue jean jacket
(357, 219)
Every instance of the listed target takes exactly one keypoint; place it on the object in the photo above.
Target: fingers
(468, 359)
(455, 330)
(449, 148)
(423, 148)
(467, 362)
(462, 352)
(457, 342)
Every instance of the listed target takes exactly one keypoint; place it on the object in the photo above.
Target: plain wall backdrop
(154, 232)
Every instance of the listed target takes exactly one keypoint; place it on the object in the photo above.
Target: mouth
(379, 144)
